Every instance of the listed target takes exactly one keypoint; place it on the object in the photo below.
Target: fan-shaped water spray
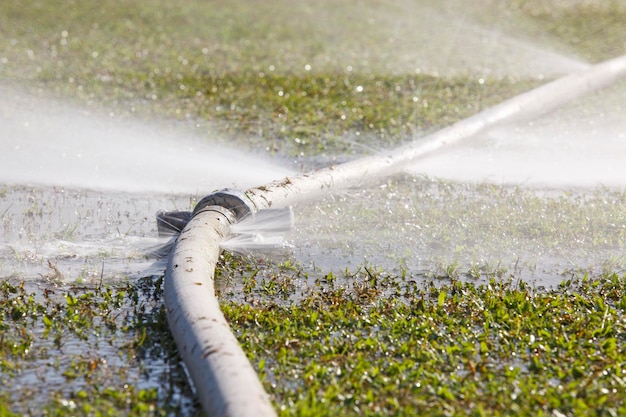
(580, 145)
(46, 142)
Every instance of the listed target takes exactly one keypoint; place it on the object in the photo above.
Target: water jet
(90, 149)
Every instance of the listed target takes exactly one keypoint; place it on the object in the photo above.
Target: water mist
(47, 142)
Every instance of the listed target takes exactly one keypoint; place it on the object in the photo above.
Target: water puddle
(437, 229)
(63, 235)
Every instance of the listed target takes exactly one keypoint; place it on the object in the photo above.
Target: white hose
(538, 101)
(226, 383)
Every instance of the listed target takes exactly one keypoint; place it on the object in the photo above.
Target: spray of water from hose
(224, 379)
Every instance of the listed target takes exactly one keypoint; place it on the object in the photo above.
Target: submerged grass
(76, 350)
(440, 228)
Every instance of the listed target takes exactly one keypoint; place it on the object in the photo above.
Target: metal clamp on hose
(171, 223)
(226, 212)
(233, 200)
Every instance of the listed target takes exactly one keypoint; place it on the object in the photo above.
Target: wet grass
(365, 342)
(308, 114)
(287, 111)
(153, 63)
(87, 350)
(438, 228)
(499, 348)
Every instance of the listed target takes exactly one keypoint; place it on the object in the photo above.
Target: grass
(194, 63)
(76, 350)
(312, 113)
(468, 336)
(500, 348)
(581, 26)
(289, 112)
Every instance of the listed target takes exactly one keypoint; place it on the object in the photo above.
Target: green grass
(144, 69)
(369, 343)
(499, 348)
(199, 63)
(314, 113)
(75, 350)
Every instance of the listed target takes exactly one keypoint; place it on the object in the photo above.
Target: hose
(225, 381)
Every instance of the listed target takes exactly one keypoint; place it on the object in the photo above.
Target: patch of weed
(495, 349)
(90, 350)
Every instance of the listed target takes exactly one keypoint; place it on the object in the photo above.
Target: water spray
(225, 381)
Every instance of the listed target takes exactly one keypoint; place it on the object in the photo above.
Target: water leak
(262, 233)
(582, 144)
(80, 186)
(50, 143)
(536, 199)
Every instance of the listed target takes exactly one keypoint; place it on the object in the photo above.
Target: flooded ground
(450, 230)
(66, 236)
(433, 228)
